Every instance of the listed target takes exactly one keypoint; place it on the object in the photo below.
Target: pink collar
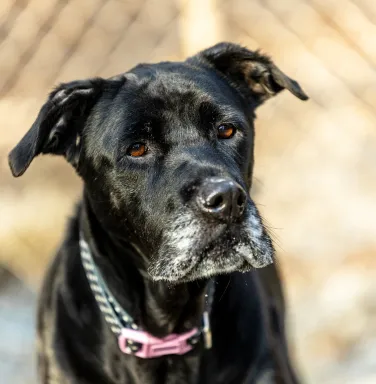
(146, 346)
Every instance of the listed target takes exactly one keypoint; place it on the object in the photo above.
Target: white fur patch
(175, 258)
(262, 249)
(184, 255)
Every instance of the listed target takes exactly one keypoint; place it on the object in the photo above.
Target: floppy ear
(251, 69)
(59, 124)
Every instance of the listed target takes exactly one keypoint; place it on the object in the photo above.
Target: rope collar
(132, 339)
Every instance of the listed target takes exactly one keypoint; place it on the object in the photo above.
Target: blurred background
(315, 176)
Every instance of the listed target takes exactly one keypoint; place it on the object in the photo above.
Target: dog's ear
(251, 69)
(57, 129)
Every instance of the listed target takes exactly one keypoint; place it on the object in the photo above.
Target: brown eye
(226, 131)
(137, 150)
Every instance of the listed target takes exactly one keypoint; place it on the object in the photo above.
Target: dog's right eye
(137, 150)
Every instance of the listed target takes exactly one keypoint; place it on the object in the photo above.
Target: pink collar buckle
(146, 346)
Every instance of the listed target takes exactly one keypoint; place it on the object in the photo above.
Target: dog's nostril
(217, 202)
(241, 201)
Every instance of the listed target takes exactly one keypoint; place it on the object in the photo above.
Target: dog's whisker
(224, 291)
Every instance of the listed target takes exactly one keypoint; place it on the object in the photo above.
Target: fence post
(200, 25)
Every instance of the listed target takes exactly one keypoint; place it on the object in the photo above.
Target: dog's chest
(167, 370)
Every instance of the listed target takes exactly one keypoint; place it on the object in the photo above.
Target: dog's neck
(158, 307)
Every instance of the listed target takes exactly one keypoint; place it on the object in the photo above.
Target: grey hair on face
(191, 249)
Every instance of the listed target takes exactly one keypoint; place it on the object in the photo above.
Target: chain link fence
(315, 171)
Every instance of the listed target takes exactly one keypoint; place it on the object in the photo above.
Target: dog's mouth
(191, 250)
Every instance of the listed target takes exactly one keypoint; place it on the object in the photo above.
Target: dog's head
(166, 154)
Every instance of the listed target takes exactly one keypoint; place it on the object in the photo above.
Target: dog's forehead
(180, 82)
(179, 91)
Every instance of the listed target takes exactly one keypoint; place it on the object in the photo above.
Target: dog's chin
(208, 263)
(215, 258)
(192, 251)
(210, 267)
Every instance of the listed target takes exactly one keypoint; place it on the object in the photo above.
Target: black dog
(166, 235)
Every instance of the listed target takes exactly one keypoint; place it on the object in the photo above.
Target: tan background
(315, 161)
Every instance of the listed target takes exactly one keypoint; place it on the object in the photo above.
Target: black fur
(129, 206)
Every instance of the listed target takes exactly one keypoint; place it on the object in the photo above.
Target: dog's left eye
(137, 150)
(226, 131)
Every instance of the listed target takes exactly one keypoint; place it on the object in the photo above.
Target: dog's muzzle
(194, 248)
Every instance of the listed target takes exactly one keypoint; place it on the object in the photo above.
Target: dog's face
(166, 154)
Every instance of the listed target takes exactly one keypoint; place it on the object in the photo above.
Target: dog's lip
(204, 253)
(219, 231)
(200, 255)
(194, 273)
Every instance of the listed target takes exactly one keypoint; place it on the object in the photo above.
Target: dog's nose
(222, 199)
